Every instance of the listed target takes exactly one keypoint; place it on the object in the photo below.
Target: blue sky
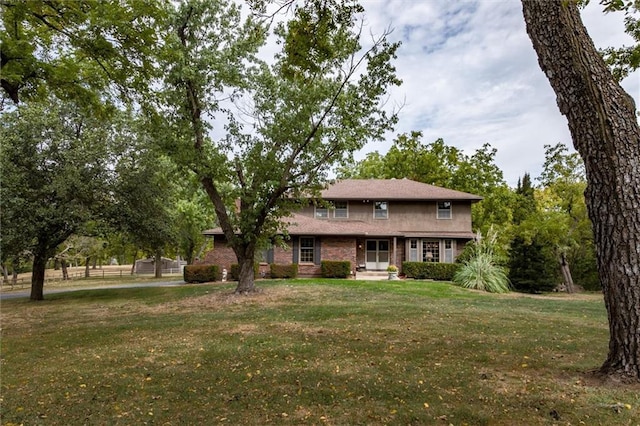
(471, 77)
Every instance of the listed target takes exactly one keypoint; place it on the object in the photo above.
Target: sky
(470, 76)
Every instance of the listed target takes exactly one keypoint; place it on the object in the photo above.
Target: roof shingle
(391, 189)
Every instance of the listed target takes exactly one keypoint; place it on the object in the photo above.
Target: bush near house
(430, 271)
(335, 268)
(201, 273)
(284, 271)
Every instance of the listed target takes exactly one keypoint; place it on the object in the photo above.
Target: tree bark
(87, 273)
(604, 128)
(158, 263)
(37, 275)
(246, 275)
(566, 273)
(65, 270)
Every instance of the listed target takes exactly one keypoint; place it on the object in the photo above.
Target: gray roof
(391, 189)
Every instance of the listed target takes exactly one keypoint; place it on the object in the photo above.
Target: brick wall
(221, 255)
(331, 248)
(339, 248)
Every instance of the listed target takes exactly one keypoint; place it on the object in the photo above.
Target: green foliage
(430, 271)
(318, 103)
(283, 271)
(201, 273)
(481, 273)
(335, 268)
(145, 205)
(86, 51)
(532, 266)
(481, 268)
(55, 177)
(624, 60)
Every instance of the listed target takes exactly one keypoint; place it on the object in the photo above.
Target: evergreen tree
(530, 268)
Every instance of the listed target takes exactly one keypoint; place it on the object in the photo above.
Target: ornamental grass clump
(481, 270)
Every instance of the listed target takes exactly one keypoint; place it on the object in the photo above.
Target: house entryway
(377, 256)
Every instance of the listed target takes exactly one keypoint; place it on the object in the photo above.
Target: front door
(377, 254)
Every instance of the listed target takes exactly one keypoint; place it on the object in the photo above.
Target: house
(370, 222)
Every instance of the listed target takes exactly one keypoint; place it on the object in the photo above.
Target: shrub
(429, 270)
(336, 268)
(201, 273)
(480, 269)
(481, 273)
(283, 271)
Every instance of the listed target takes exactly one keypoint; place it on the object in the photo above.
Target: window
(444, 210)
(265, 255)
(307, 245)
(380, 210)
(322, 212)
(341, 209)
(413, 250)
(448, 251)
(431, 251)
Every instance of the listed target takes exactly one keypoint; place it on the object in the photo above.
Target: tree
(605, 131)
(563, 207)
(531, 256)
(83, 50)
(55, 174)
(319, 102)
(144, 193)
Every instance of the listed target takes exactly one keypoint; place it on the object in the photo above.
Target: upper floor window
(380, 210)
(322, 212)
(340, 209)
(307, 248)
(444, 210)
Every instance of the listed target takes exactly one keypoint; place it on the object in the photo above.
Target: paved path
(17, 294)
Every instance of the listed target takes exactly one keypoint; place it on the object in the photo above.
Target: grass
(308, 352)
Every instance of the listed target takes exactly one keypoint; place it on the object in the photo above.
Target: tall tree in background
(604, 127)
(531, 257)
(144, 193)
(54, 177)
(563, 208)
(320, 101)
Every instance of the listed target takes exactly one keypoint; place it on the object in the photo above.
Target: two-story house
(372, 223)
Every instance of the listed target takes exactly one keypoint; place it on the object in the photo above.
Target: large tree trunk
(604, 127)
(246, 276)
(37, 275)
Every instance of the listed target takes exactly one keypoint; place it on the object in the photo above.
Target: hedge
(335, 268)
(201, 273)
(430, 270)
(284, 271)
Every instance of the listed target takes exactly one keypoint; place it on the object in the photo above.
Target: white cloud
(471, 76)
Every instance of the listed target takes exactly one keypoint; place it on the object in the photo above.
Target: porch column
(395, 251)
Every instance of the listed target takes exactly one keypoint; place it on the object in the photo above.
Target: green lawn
(308, 352)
